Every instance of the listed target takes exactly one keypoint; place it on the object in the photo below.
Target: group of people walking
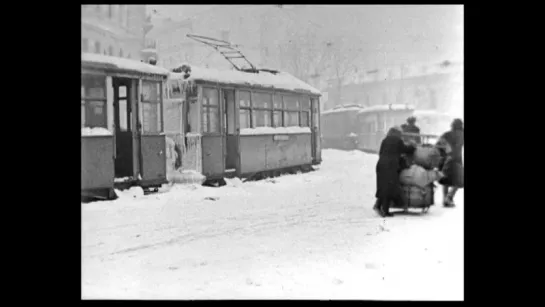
(391, 157)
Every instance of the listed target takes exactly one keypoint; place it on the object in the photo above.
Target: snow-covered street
(305, 236)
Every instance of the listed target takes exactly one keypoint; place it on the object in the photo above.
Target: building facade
(437, 87)
(116, 30)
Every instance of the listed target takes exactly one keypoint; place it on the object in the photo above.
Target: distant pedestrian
(388, 169)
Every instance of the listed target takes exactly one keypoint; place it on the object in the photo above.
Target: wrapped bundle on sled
(417, 187)
(427, 156)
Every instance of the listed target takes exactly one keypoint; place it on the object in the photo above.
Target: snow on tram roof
(386, 107)
(280, 80)
(122, 64)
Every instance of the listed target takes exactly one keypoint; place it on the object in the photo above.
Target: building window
(121, 52)
(129, 56)
(244, 105)
(111, 51)
(210, 111)
(151, 107)
(98, 48)
(93, 102)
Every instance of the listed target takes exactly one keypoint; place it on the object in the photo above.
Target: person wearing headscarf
(387, 170)
(451, 144)
(411, 127)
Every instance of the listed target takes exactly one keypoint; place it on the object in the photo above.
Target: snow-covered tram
(339, 127)
(374, 122)
(122, 140)
(237, 123)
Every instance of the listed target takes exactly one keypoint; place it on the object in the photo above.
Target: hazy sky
(389, 34)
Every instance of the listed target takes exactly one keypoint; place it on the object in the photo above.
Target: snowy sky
(389, 34)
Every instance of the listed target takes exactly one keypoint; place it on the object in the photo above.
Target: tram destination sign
(281, 137)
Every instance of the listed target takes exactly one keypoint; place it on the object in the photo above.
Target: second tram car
(236, 123)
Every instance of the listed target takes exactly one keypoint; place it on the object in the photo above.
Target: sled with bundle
(417, 186)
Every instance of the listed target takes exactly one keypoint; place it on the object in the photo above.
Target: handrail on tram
(425, 138)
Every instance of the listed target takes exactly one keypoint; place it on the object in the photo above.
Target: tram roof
(387, 107)
(279, 80)
(116, 63)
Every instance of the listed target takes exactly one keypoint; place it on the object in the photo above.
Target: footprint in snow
(337, 281)
(211, 198)
(172, 268)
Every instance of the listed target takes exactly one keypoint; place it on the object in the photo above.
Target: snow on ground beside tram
(95, 131)
(311, 235)
(271, 130)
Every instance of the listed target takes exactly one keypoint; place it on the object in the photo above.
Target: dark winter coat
(411, 129)
(388, 166)
(453, 166)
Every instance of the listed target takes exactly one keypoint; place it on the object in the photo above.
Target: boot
(377, 208)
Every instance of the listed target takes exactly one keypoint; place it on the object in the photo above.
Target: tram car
(374, 122)
(238, 123)
(339, 127)
(122, 140)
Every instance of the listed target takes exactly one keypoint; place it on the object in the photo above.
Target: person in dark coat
(450, 144)
(411, 127)
(388, 169)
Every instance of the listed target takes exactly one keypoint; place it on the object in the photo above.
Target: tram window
(122, 91)
(244, 99)
(244, 112)
(277, 102)
(305, 103)
(305, 119)
(149, 118)
(93, 101)
(291, 102)
(210, 111)
(151, 107)
(150, 91)
(261, 118)
(214, 120)
(261, 100)
(261, 110)
(291, 119)
(277, 119)
(244, 118)
(123, 114)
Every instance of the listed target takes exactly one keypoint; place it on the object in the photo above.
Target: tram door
(124, 157)
(231, 139)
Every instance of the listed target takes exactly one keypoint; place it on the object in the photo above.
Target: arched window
(97, 47)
